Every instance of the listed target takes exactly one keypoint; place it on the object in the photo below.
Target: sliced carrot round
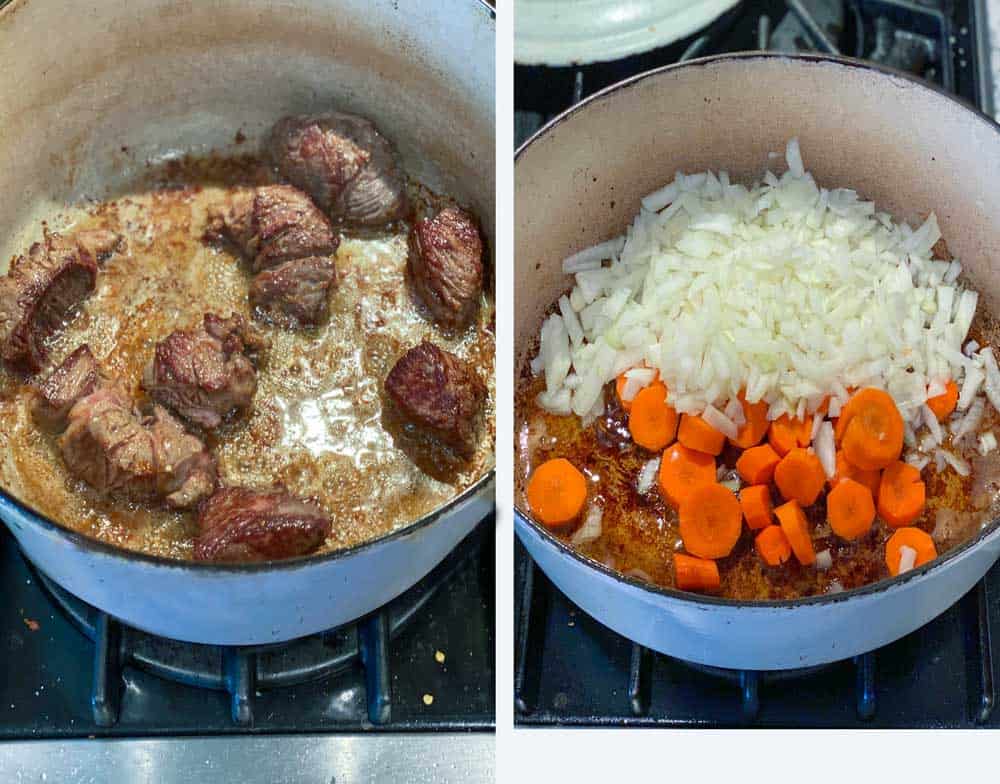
(710, 521)
(850, 509)
(773, 546)
(683, 470)
(942, 405)
(913, 538)
(872, 429)
(800, 477)
(901, 494)
(695, 433)
(756, 465)
(786, 433)
(652, 423)
(754, 428)
(796, 527)
(696, 574)
(557, 492)
(845, 470)
(755, 501)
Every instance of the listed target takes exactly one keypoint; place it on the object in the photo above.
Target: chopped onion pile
(784, 289)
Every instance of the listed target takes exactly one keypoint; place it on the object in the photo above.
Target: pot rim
(9, 503)
(989, 529)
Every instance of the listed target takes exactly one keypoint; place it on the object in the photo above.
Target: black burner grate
(570, 669)
(423, 662)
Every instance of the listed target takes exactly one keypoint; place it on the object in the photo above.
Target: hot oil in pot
(318, 423)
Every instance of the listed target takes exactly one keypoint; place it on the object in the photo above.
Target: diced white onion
(835, 587)
(931, 420)
(970, 421)
(917, 460)
(817, 424)
(824, 560)
(793, 158)
(720, 421)
(647, 476)
(591, 528)
(826, 449)
(734, 410)
(907, 559)
(961, 466)
(592, 257)
(987, 443)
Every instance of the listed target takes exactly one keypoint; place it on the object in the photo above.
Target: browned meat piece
(76, 377)
(295, 293)
(272, 224)
(205, 374)
(344, 163)
(440, 394)
(240, 524)
(37, 294)
(186, 471)
(109, 446)
(106, 445)
(446, 261)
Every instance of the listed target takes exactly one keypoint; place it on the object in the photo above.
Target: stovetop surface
(569, 668)
(438, 669)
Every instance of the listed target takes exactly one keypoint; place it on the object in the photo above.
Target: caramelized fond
(318, 425)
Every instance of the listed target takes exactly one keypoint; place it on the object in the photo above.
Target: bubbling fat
(318, 423)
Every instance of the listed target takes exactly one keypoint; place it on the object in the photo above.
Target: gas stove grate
(571, 670)
(423, 662)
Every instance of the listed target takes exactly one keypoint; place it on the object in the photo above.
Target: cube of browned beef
(272, 224)
(242, 524)
(295, 293)
(439, 394)
(344, 163)
(77, 376)
(39, 291)
(115, 450)
(446, 264)
(205, 374)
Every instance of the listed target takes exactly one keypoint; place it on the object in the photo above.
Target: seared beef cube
(241, 524)
(295, 293)
(38, 293)
(439, 394)
(116, 451)
(344, 163)
(205, 374)
(446, 262)
(76, 377)
(107, 446)
(186, 471)
(272, 224)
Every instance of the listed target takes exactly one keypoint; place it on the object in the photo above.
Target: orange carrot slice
(756, 465)
(901, 494)
(710, 521)
(913, 538)
(850, 509)
(800, 477)
(651, 421)
(845, 470)
(695, 433)
(754, 428)
(942, 405)
(755, 501)
(683, 470)
(696, 574)
(773, 546)
(871, 430)
(786, 433)
(796, 527)
(557, 492)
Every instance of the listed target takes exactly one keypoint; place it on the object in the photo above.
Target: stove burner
(243, 671)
